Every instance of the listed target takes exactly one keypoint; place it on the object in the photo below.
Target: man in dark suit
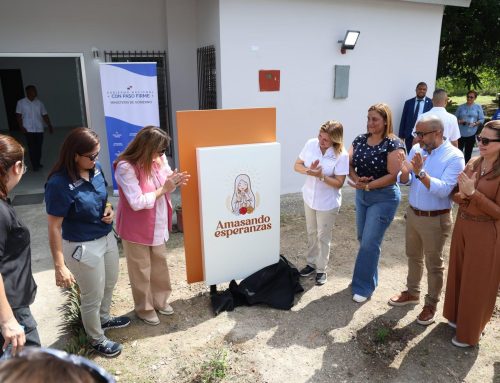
(413, 108)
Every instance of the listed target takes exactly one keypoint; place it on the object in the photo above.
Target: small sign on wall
(341, 85)
(240, 209)
(269, 80)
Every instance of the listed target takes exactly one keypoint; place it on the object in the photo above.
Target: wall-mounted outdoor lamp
(349, 42)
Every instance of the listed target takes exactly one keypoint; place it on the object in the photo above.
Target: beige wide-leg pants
(149, 278)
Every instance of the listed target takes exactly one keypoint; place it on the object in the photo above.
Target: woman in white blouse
(325, 162)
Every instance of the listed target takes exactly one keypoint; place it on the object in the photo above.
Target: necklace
(483, 169)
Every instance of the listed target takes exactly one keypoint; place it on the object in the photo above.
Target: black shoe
(320, 279)
(116, 322)
(308, 270)
(108, 348)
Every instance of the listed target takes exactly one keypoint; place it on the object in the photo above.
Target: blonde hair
(148, 142)
(335, 131)
(385, 112)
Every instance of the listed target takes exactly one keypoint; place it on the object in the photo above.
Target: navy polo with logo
(81, 203)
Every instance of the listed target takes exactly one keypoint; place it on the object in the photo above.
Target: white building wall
(397, 48)
(55, 26)
(182, 35)
(209, 34)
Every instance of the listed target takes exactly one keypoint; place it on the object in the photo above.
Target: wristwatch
(420, 174)
(322, 178)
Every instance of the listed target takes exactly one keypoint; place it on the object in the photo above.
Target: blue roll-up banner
(130, 98)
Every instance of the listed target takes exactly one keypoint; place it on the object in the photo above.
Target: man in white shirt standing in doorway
(31, 118)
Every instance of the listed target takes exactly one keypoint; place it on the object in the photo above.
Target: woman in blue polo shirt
(80, 233)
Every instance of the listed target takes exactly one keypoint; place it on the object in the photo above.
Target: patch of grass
(213, 370)
(382, 335)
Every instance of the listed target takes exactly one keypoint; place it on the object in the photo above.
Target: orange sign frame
(203, 128)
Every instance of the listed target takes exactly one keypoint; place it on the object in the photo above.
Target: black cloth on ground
(274, 285)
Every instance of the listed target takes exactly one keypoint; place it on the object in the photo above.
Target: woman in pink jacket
(145, 181)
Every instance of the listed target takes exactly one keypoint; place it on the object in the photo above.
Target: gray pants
(96, 272)
(319, 235)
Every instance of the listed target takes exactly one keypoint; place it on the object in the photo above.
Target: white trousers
(319, 226)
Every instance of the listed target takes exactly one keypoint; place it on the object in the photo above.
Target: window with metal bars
(207, 78)
(161, 59)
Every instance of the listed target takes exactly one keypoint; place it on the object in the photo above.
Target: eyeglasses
(162, 152)
(422, 134)
(25, 168)
(471, 97)
(98, 373)
(485, 141)
(91, 157)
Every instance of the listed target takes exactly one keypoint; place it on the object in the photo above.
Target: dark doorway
(13, 90)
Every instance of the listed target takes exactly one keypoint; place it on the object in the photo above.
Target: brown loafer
(427, 316)
(403, 299)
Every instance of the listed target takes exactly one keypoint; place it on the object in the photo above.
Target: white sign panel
(239, 188)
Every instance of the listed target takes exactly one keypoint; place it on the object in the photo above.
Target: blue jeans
(375, 210)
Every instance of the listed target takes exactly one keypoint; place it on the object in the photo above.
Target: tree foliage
(470, 41)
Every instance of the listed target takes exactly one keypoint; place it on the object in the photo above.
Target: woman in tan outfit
(474, 270)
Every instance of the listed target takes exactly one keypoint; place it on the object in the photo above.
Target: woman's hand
(13, 333)
(466, 185)
(360, 183)
(64, 277)
(109, 214)
(176, 179)
(315, 169)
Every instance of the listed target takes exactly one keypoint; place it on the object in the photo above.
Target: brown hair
(40, 368)
(148, 142)
(78, 141)
(11, 151)
(385, 112)
(493, 125)
(335, 131)
(473, 92)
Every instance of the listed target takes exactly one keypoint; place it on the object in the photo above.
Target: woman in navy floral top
(374, 166)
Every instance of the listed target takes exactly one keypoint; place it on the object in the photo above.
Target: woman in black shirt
(17, 286)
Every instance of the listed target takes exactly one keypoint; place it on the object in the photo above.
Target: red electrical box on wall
(269, 80)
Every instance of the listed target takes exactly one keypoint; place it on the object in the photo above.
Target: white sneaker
(359, 298)
(167, 310)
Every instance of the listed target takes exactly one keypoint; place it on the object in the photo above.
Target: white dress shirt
(451, 129)
(443, 166)
(317, 194)
(32, 112)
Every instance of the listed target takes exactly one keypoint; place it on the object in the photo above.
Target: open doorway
(60, 83)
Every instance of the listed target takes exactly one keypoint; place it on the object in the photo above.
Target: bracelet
(109, 204)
